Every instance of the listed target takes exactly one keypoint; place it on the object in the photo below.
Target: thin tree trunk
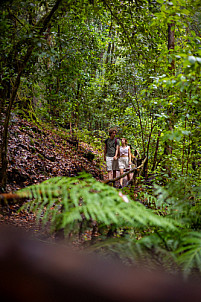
(156, 151)
(183, 149)
(142, 131)
(109, 46)
(42, 24)
(171, 46)
(188, 155)
(4, 146)
(149, 139)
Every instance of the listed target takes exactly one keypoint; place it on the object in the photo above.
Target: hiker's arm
(116, 153)
(129, 155)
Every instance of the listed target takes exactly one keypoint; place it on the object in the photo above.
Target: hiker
(124, 159)
(110, 153)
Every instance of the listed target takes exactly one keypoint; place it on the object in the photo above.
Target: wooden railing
(137, 172)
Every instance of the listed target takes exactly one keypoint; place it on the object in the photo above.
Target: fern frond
(189, 253)
(62, 201)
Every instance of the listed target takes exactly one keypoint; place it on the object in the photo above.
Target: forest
(70, 71)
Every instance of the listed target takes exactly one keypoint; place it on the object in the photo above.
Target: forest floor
(36, 154)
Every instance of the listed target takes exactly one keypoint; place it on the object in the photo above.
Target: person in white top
(124, 159)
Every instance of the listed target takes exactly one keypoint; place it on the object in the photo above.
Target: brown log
(34, 271)
(12, 197)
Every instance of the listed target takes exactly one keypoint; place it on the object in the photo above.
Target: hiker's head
(112, 132)
(124, 141)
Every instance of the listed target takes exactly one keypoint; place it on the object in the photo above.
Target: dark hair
(111, 130)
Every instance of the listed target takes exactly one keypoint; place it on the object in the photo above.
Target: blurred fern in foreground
(78, 203)
(177, 250)
(189, 253)
(65, 202)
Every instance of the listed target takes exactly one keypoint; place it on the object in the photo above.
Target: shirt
(111, 146)
(124, 151)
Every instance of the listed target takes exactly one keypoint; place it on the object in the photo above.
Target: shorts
(111, 164)
(123, 163)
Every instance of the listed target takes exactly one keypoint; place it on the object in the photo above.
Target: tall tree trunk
(171, 46)
(141, 126)
(149, 137)
(41, 25)
(183, 149)
(156, 151)
(4, 145)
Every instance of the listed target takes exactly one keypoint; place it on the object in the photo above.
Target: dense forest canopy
(87, 66)
(94, 64)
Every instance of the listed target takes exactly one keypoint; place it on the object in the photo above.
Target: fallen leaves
(35, 155)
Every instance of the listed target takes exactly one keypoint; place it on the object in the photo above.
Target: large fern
(64, 202)
(175, 251)
(148, 251)
(181, 200)
(189, 252)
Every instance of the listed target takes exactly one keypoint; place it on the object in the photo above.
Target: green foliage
(150, 248)
(65, 202)
(181, 200)
(94, 138)
(100, 64)
(189, 253)
(174, 250)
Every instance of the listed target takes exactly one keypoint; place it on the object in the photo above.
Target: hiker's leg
(121, 179)
(109, 161)
(121, 169)
(110, 174)
(128, 176)
(115, 167)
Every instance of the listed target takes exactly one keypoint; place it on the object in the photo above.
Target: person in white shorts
(110, 153)
(124, 159)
